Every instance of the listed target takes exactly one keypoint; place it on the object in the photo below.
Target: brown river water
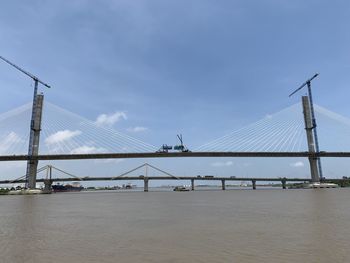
(164, 226)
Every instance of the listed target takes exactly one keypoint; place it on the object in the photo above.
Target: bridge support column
(254, 184)
(48, 186)
(32, 164)
(223, 186)
(314, 169)
(145, 185)
(284, 186)
(192, 184)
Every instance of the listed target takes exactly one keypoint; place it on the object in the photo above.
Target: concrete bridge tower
(310, 139)
(32, 164)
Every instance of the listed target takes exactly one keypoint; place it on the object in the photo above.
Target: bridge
(143, 175)
(146, 180)
(170, 155)
(71, 137)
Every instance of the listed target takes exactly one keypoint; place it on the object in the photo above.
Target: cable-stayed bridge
(57, 134)
(142, 173)
(269, 138)
(68, 136)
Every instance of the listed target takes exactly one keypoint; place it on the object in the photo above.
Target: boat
(128, 186)
(67, 188)
(322, 185)
(312, 185)
(243, 184)
(181, 189)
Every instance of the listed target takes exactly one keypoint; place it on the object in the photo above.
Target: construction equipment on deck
(181, 147)
(165, 148)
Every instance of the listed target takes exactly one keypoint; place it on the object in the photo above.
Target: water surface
(201, 226)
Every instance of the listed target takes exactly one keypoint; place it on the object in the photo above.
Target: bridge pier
(48, 186)
(145, 185)
(192, 184)
(254, 184)
(223, 186)
(284, 186)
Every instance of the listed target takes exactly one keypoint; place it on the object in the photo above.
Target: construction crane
(180, 147)
(32, 128)
(314, 125)
(36, 79)
(165, 148)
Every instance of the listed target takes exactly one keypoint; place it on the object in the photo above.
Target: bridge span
(48, 182)
(253, 180)
(135, 178)
(170, 155)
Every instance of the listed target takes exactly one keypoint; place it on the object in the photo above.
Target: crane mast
(314, 125)
(33, 126)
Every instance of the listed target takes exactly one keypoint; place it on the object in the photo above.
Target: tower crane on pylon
(32, 127)
(314, 125)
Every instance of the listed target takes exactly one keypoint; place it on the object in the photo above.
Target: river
(164, 226)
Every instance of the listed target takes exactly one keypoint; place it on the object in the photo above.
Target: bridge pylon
(314, 162)
(32, 164)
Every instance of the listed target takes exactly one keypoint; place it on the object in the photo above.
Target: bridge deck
(170, 155)
(133, 178)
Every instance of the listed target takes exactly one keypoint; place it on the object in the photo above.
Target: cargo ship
(67, 187)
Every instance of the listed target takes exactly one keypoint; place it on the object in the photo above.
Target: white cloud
(87, 149)
(61, 136)
(137, 129)
(10, 140)
(110, 119)
(222, 164)
(297, 164)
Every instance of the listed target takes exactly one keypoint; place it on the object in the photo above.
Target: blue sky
(201, 68)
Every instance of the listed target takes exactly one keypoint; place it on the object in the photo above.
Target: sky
(153, 69)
